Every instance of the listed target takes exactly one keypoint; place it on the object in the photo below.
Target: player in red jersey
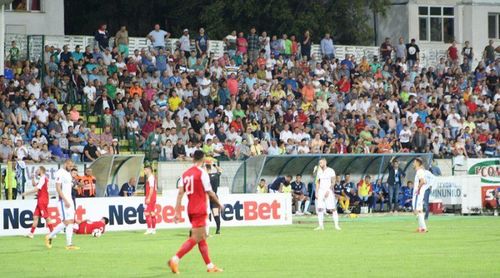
(87, 227)
(150, 201)
(196, 184)
(42, 202)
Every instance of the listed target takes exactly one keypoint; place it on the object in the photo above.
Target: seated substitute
(299, 194)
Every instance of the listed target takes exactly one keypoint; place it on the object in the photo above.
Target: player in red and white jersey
(87, 227)
(151, 187)
(41, 183)
(196, 184)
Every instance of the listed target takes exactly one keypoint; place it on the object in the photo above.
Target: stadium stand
(80, 102)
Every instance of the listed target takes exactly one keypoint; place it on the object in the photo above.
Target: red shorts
(41, 210)
(198, 220)
(150, 207)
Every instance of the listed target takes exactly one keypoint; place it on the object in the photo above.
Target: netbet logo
(251, 210)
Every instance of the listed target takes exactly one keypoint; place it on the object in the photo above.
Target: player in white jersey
(325, 198)
(423, 180)
(64, 184)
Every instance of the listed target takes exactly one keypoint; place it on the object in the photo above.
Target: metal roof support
(368, 165)
(307, 165)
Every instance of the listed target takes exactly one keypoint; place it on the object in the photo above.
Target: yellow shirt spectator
(174, 102)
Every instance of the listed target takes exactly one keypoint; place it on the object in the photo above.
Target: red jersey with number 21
(196, 183)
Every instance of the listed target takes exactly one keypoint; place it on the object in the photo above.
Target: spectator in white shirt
(158, 37)
(34, 88)
(185, 43)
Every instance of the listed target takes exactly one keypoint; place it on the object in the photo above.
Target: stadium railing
(31, 47)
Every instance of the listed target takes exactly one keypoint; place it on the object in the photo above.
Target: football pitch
(366, 247)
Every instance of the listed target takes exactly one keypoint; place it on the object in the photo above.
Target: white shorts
(418, 200)
(67, 213)
(328, 202)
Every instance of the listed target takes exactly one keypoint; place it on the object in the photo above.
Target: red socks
(50, 226)
(47, 222)
(202, 245)
(186, 247)
(153, 222)
(149, 221)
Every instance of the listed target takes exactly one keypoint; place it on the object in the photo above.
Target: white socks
(69, 235)
(421, 221)
(321, 216)
(299, 206)
(57, 230)
(335, 217)
(175, 259)
(210, 265)
(306, 206)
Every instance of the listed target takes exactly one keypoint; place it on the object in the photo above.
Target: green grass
(366, 247)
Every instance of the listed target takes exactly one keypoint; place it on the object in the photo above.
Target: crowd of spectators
(265, 95)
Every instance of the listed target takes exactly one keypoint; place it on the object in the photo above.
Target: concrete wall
(394, 24)
(48, 22)
(169, 173)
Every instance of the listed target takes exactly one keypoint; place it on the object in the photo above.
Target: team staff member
(77, 185)
(89, 182)
(214, 174)
(262, 187)
(42, 201)
(395, 181)
(278, 183)
(339, 191)
(299, 194)
(128, 188)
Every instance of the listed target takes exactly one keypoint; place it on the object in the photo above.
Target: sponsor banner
(459, 190)
(51, 171)
(448, 190)
(127, 213)
(471, 194)
(487, 168)
(489, 196)
(489, 171)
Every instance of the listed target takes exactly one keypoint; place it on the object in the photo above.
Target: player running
(42, 201)
(196, 184)
(86, 227)
(150, 201)
(423, 180)
(325, 198)
(64, 185)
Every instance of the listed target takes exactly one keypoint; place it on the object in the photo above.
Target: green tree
(347, 20)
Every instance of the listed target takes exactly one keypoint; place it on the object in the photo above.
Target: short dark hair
(198, 155)
(419, 160)
(148, 166)
(106, 220)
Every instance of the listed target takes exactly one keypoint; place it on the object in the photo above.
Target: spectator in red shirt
(237, 124)
(344, 85)
(229, 149)
(453, 53)
(232, 85)
(301, 118)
